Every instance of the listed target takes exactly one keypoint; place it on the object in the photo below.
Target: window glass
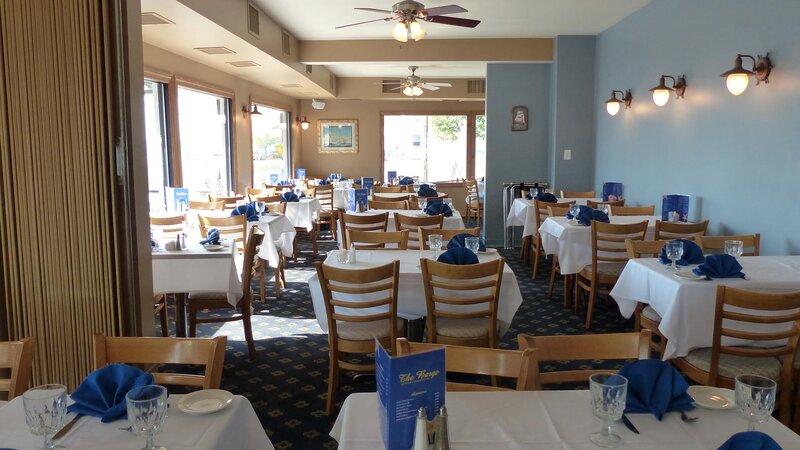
(433, 147)
(480, 146)
(155, 125)
(271, 150)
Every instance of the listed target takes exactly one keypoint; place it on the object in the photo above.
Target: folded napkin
(436, 208)
(248, 210)
(587, 215)
(459, 241)
(357, 183)
(284, 183)
(212, 237)
(289, 196)
(405, 181)
(546, 197)
(750, 440)
(583, 208)
(426, 191)
(692, 254)
(656, 387)
(102, 393)
(720, 266)
(323, 183)
(459, 256)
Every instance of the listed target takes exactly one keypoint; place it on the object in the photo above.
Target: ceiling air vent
(151, 18)
(243, 63)
(215, 50)
(291, 85)
(388, 85)
(252, 19)
(476, 86)
(309, 69)
(285, 43)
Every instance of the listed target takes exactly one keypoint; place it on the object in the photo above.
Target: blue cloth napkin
(426, 191)
(289, 196)
(654, 386)
(323, 183)
(102, 393)
(692, 254)
(212, 237)
(459, 256)
(720, 266)
(436, 208)
(459, 241)
(750, 440)
(587, 215)
(583, 208)
(248, 210)
(284, 183)
(546, 197)
(405, 181)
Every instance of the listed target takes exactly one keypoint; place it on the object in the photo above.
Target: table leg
(568, 285)
(180, 315)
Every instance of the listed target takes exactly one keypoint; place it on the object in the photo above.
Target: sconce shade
(613, 104)
(255, 111)
(303, 121)
(661, 93)
(738, 78)
(737, 83)
(612, 107)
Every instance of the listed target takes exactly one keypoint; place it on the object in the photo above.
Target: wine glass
(608, 393)
(734, 248)
(423, 203)
(260, 206)
(45, 411)
(755, 398)
(473, 243)
(147, 408)
(674, 251)
(435, 244)
(574, 210)
(603, 207)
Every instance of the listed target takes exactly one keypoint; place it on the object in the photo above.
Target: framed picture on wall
(519, 118)
(338, 136)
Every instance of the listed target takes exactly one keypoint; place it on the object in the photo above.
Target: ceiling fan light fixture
(400, 32)
(416, 31)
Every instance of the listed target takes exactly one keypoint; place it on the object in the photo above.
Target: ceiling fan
(408, 15)
(412, 85)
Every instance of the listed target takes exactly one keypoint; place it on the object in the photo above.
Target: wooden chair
(259, 192)
(679, 230)
(160, 308)
(645, 316)
(381, 204)
(388, 189)
(328, 214)
(233, 228)
(377, 240)
(716, 244)
(168, 225)
(594, 205)
(633, 210)
(474, 201)
(469, 317)
(228, 202)
(609, 256)
(158, 350)
(362, 222)
(540, 213)
(16, 357)
(383, 198)
(349, 332)
(585, 347)
(424, 234)
(518, 364)
(413, 225)
(555, 268)
(577, 194)
(206, 206)
(719, 364)
(268, 199)
(219, 300)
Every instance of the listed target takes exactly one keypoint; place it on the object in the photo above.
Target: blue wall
(739, 157)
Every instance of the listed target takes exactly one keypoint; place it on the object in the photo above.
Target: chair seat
(203, 295)
(364, 331)
(649, 313)
(732, 365)
(604, 270)
(462, 328)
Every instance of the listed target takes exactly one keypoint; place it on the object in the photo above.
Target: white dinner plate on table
(689, 275)
(213, 247)
(489, 250)
(205, 401)
(712, 397)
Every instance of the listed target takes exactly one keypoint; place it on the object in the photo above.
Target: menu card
(675, 208)
(368, 183)
(273, 179)
(300, 173)
(612, 191)
(177, 199)
(391, 175)
(356, 197)
(404, 384)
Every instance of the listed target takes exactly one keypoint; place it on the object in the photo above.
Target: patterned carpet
(288, 381)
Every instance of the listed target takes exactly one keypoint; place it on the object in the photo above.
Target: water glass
(343, 256)
(574, 210)
(608, 393)
(147, 408)
(435, 241)
(45, 410)
(755, 398)
(473, 243)
(449, 202)
(260, 206)
(423, 203)
(604, 208)
(734, 248)
(674, 251)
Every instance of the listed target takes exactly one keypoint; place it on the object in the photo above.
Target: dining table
(340, 197)
(521, 213)
(411, 292)
(235, 426)
(279, 233)
(550, 420)
(454, 222)
(686, 303)
(302, 213)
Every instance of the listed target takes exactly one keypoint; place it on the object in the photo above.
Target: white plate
(489, 250)
(213, 247)
(205, 401)
(712, 397)
(689, 275)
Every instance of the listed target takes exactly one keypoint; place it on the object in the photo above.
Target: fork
(688, 419)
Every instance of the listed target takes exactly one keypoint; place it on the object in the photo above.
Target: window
(433, 147)
(271, 150)
(157, 141)
(205, 135)
(480, 146)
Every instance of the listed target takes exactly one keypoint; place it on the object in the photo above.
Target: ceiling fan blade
(439, 10)
(360, 23)
(428, 87)
(397, 88)
(383, 11)
(457, 21)
(391, 83)
(440, 84)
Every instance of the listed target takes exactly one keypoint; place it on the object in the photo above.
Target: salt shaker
(421, 431)
(352, 253)
(442, 440)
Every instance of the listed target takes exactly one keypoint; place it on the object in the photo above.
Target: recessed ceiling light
(215, 50)
(291, 85)
(151, 18)
(243, 63)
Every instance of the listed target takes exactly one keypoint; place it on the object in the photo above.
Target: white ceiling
(427, 70)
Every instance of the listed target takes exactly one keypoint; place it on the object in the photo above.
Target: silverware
(629, 424)
(688, 419)
(67, 427)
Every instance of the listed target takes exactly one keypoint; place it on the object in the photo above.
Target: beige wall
(368, 112)
(168, 63)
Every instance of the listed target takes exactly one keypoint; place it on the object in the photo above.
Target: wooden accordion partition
(62, 276)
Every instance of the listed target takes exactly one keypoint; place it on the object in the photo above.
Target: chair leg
(536, 254)
(262, 283)
(590, 308)
(313, 236)
(192, 319)
(164, 321)
(333, 381)
(248, 333)
(553, 272)
(796, 423)
(277, 282)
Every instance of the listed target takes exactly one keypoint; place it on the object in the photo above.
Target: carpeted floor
(287, 382)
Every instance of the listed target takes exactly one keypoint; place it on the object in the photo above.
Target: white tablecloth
(197, 269)
(237, 426)
(687, 306)
(549, 420)
(340, 197)
(411, 293)
(279, 234)
(454, 222)
(573, 243)
(302, 214)
(522, 213)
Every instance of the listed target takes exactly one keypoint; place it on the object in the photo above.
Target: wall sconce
(303, 121)
(246, 111)
(613, 104)
(738, 77)
(661, 92)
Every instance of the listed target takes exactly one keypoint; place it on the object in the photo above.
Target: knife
(67, 427)
(629, 424)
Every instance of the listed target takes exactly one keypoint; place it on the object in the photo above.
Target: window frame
(166, 127)
(289, 135)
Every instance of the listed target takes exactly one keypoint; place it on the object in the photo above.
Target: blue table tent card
(300, 174)
(391, 175)
(675, 208)
(612, 191)
(356, 197)
(368, 183)
(404, 384)
(273, 179)
(177, 199)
